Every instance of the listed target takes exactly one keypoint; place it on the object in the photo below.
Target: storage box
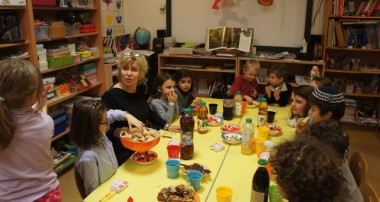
(57, 62)
(92, 78)
(13, 3)
(57, 31)
(88, 69)
(44, 2)
(42, 31)
(59, 118)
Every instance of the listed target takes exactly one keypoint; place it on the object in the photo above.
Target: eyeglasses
(123, 56)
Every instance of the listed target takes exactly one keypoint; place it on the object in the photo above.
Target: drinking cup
(224, 194)
(263, 132)
(213, 108)
(258, 143)
(172, 168)
(274, 195)
(271, 115)
(173, 151)
(195, 178)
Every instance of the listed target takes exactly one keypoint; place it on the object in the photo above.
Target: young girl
(26, 165)
(299, 104)
(184, 81)
(247, 83)
(96, 158)
(164, 98)
(278, 91)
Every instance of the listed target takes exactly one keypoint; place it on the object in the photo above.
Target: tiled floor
(364, 139)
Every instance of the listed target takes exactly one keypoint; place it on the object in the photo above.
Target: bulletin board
(281, 25)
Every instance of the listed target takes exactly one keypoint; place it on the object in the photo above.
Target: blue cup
(172, 168)
(195, 178)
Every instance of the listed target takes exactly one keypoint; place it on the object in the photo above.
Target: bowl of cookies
(138, 141)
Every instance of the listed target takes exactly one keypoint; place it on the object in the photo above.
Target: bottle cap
(263, 99)
(248, 120)
(203, 103)
(263, 162)
(238, 92)
(187, 110)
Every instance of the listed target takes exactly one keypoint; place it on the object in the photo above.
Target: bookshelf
(351, 49)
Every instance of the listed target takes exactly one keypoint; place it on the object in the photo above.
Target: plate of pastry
(253, 105)
(274, 130)
(230, 128)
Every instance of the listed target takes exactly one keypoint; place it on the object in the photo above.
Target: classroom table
(228, 167)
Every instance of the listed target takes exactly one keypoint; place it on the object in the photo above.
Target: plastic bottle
(247, 137)
(260, 183)
(228, 105)
(187, 130)
(202, 118)
(303, 48)
(238, 107)
(263, 112)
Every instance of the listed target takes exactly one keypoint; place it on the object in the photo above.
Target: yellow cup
(263, 132)
(224, 194)
(258, 143)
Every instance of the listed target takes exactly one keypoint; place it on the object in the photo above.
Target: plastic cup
(271, 115)
(173, 151)
(213, 108)
(258, 143)
(172, 168)
(274, 195)
(224, 194)
(195, 178)
(263, 132)
(244, 107)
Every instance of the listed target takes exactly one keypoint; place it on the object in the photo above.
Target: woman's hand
(132, 121)
(174, 128)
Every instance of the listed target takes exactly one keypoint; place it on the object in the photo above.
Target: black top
(284, 96)
(136, 105)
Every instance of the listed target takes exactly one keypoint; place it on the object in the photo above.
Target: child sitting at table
(247, 83)
(325, 103)
(306, 170)
(319, 82)
(96, 158)
(331, 133)
(164, 98)
(278, 91)
(299, 104)
(184, 87)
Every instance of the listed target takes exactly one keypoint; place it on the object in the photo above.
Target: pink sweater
(26, 167)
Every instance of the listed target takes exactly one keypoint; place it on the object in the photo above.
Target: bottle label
(202, 125)
(186, 138)
(261, 119)
(238, 108)
(257, 196)
(228, 102)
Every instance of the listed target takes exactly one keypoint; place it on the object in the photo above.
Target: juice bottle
(247, 137)
(187, 130)
(260, 183)
(202, 118)
(263, 112)
(238, 101)
(228, 105)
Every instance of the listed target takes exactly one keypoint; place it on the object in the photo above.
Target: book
(229, 37)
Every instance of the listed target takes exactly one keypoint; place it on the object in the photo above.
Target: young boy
(278, 91)
(332, 134)
(247, 83)
(325, 103)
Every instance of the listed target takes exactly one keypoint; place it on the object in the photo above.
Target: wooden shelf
(12, 7)
(362, 95)
(66, 164)
(59, 99)
(285, 61)
(55, 8)
(68, 66)
(353, 49)
(200, 70)
(355, 17)
(61, 134)
(7, 45)
(69, 37)
(350, 71)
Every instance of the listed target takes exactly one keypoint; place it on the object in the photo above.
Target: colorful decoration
(265, 2)
(215, 5)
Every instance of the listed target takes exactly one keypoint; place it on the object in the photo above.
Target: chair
(79, 183)
(368, 192)
(358, 167)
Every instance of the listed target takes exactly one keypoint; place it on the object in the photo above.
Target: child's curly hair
(307, 170)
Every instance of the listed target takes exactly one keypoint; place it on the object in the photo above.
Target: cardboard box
(13, 3)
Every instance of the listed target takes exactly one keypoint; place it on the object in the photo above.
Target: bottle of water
(247, 137)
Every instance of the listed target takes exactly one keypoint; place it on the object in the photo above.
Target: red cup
(173, 151)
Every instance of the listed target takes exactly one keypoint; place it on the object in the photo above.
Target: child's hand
(132, 121)
(276, 93)
(268, 91)
(196, 103)
(174, 128)
(301, 124)
(254, 93)
(172, 97)
(248, 99)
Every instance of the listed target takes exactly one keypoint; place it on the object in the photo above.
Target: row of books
(353, 33)
(356, 7)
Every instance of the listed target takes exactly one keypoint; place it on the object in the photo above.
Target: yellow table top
(228, 167)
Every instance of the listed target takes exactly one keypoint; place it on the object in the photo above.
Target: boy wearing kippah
(325, 103)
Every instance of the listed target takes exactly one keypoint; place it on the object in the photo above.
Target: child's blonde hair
(19, 81)
(252, 64)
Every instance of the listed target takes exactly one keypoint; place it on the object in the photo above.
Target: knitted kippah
(328, 94)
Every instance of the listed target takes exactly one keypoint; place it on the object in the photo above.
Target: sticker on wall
(108, 19)
(108, 32)
(119, 19)
(108, 5)
(119, 5)
(119, 31)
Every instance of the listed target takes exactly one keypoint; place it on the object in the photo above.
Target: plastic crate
(57, 62)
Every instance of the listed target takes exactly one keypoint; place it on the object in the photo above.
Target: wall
(146, 13)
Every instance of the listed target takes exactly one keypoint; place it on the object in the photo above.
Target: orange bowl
(140, 146)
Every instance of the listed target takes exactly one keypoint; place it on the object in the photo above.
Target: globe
(142, 36)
